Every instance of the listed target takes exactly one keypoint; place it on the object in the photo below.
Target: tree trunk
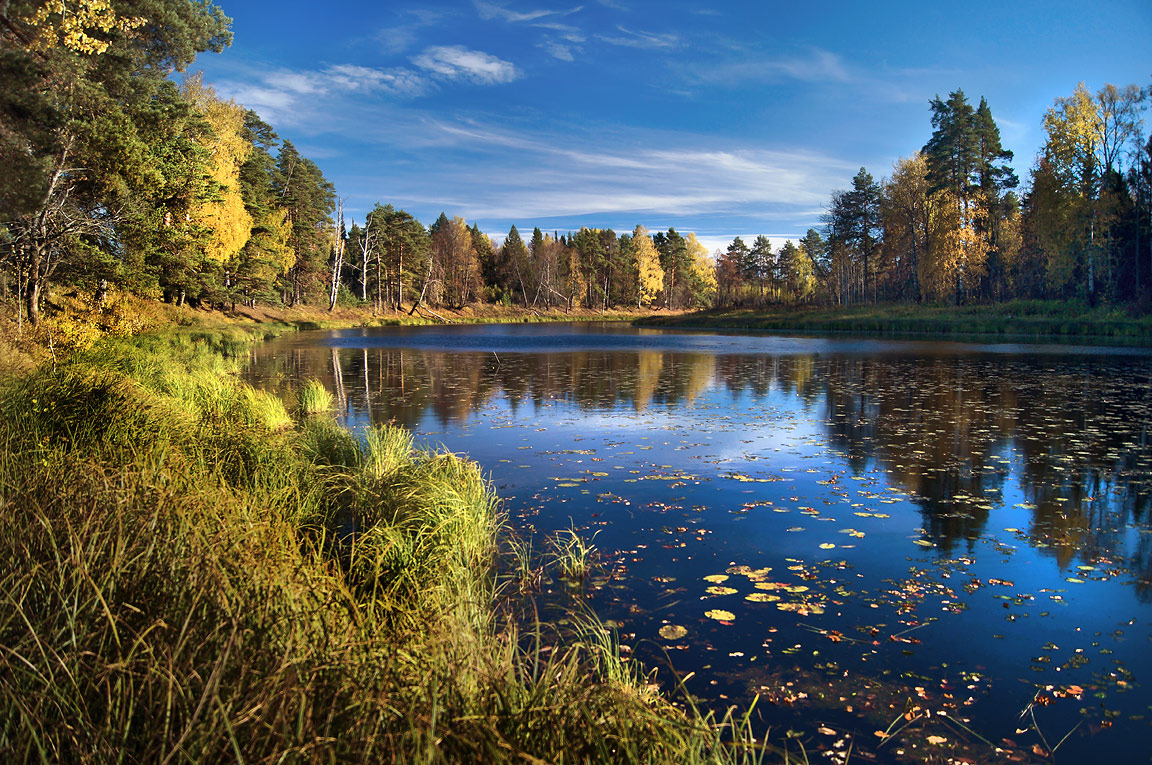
(32, 298)
(338, 259)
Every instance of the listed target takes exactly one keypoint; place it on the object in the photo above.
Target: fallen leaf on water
(714, 590)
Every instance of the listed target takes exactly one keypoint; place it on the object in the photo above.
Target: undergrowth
(193, 575)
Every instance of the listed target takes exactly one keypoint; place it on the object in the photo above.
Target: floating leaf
(762, 597)
(717, 590)
(720, 615)
(672, 632)
(827, 546)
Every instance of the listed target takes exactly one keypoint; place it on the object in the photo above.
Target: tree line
(949, 226)
(114, 175)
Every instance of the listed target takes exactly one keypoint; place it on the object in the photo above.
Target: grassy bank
(1016, 321)
(196, 574)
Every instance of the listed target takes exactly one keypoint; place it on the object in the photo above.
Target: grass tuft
(313, 399)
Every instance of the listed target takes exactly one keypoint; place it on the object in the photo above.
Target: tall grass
(192, 576)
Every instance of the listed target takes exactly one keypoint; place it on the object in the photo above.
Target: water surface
(854, 530)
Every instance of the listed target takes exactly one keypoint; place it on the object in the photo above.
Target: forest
(120, 174)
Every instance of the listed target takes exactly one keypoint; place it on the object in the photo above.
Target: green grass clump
(313, 399)
(193, 576)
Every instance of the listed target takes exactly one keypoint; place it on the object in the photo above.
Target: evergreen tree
(515, 256)
(77, 86)
(308, 199)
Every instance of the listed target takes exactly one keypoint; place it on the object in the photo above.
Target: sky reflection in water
(949, 526)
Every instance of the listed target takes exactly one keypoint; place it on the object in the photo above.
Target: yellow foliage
(72, 25)
(703, 270)
(651, 275)
(1073, 125)
(225, 216)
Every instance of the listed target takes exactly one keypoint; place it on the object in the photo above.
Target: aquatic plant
(313, 398)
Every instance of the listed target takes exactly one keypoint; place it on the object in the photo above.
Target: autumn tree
(905, 209)
(644, 265)
(77, 81)
(730, 283)
(1079, 191)
(702, 273)
(453, 277)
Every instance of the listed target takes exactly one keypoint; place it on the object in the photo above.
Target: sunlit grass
(193, 576)
(313, 398)
(572, 554)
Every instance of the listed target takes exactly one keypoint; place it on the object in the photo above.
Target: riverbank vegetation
(199, 572)
(1018, 320)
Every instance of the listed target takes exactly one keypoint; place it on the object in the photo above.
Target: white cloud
(817, 66)
(645, 40)
(674, 180)
(495, 11)
(557, 50)
(492, 10)
(457, 62)
(397, 81)
(567, 31)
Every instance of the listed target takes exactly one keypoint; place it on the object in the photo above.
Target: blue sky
(728, 118)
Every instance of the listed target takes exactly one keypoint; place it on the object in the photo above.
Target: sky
(724, 118)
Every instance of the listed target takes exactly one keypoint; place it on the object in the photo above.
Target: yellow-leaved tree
(650, 275)
(224, 216)
(703, 273)
(81, 27)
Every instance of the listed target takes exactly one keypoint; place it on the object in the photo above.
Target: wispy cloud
(676, 179)
(495, 11)
(404, 33)
(290, 97)
(455, 62)
(631, 39)
(557, 50)
(492, 10)
(813, 66)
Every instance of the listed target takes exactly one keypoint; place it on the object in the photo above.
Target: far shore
(1025, 321)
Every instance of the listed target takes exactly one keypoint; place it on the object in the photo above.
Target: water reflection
(940, 492)
(946, 429)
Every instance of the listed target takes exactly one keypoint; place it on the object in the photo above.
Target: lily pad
(717, 590)
(720, 615)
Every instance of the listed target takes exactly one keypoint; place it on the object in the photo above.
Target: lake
(913, 549)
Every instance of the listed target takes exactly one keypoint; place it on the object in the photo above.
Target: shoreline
(1020, 321)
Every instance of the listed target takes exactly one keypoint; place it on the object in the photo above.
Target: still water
(913, 550)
